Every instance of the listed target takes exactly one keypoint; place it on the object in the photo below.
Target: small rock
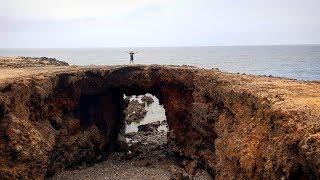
(122, 144)
(164, 122)
(149, 127)
(135, 147)
(129, 155)
(178, 173)
(147, 99)
(202, 174)
(191, 166)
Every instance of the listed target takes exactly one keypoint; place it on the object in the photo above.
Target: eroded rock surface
(234, 126)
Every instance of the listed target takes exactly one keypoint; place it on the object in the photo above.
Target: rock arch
(233, 125)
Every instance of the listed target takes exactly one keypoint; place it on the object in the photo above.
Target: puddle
(155, 112)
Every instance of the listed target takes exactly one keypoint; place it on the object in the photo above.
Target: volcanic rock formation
(234, 126)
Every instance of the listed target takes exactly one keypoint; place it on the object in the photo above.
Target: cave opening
(134, 125)
(143, 109)
(144, 121)
(141, 148)
(95, 116)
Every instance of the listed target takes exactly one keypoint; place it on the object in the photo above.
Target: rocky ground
(140, 155)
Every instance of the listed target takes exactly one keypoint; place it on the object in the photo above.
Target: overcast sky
(132, 23)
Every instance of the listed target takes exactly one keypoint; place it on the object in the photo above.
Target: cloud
(92, 23)
(71, 9)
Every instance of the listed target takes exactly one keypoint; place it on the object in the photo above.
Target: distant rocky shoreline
(21, 62)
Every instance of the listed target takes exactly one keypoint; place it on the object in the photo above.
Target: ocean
(297, 62)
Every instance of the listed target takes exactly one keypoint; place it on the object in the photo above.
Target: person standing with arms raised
(132, 53)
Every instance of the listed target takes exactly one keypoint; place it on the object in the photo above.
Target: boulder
(150, 127)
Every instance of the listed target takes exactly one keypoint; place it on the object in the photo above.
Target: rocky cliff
(235, 126)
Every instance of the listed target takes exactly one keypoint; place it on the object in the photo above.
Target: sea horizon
(289, 61)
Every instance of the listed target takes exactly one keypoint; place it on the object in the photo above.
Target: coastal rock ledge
(234, 126)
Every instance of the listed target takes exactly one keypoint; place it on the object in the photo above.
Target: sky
(156, 23)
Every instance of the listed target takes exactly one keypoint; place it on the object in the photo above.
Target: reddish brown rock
(234, 126)
(310, 148)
